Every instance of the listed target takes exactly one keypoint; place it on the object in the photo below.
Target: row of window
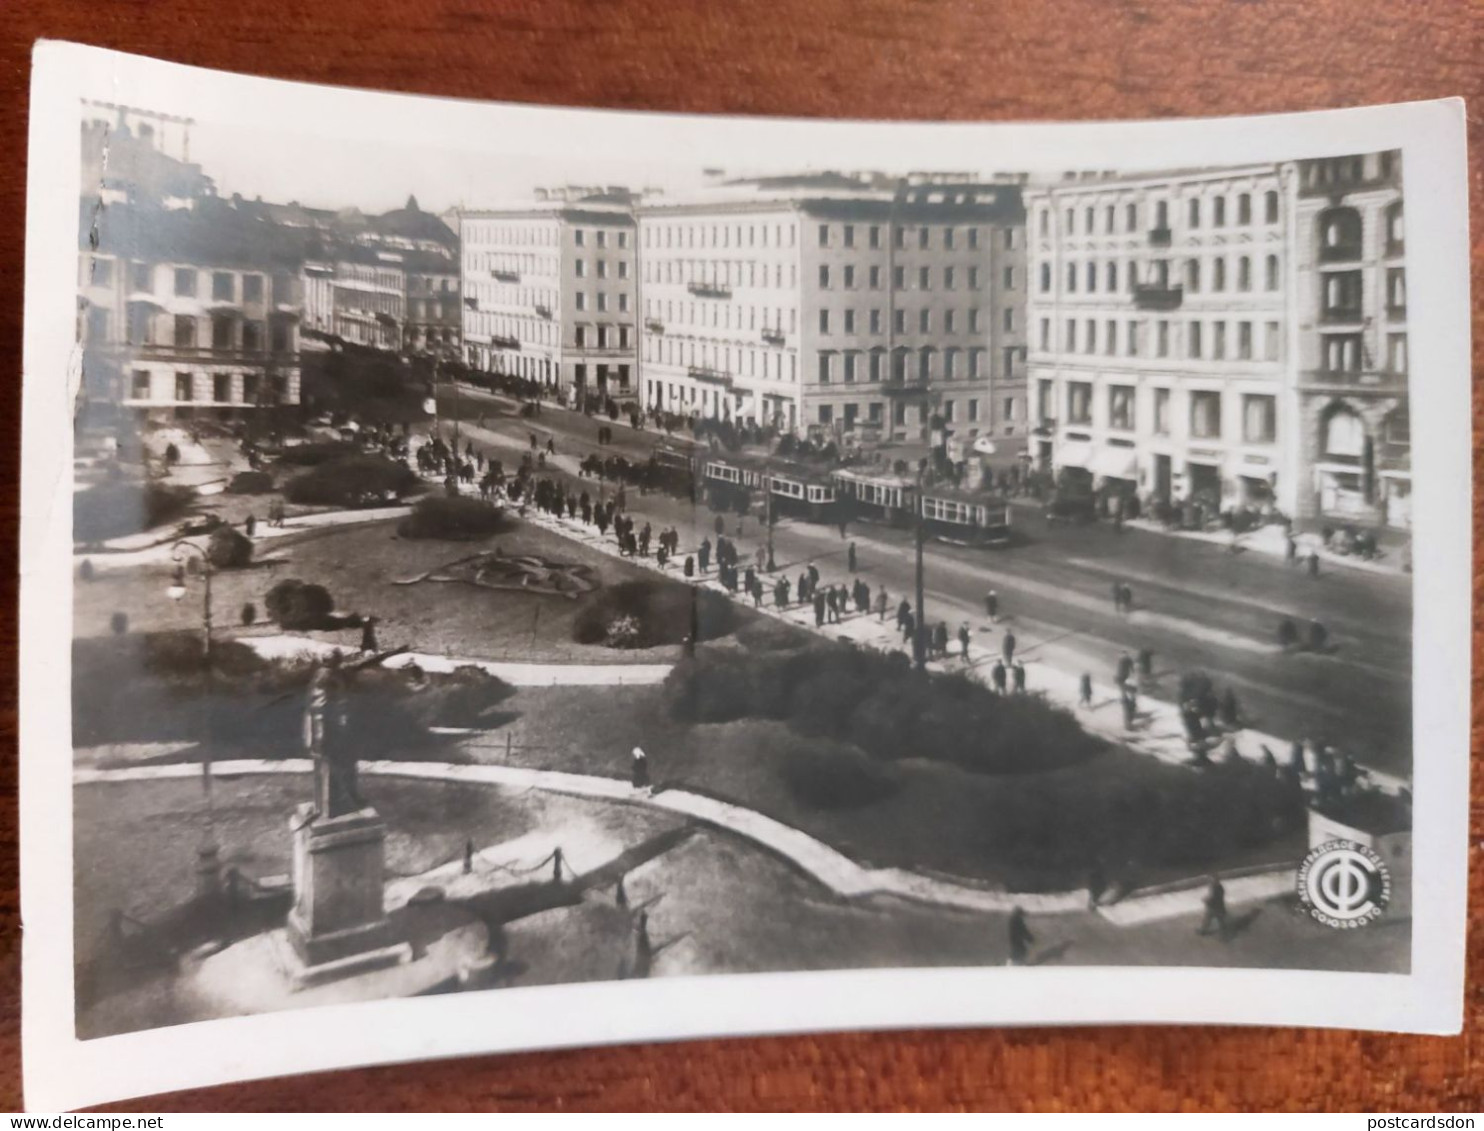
(1212, 209)
(926, 364)
(950, 237)
(186, 281)
(539, 234)
(850, 413)
(223, 331)
(600, 268)
(1091, 274)
(600, 237)
(579, 299)
(1259, 411)
(1201, 340)
(1342, 232)
(922, 279)
(527, 330)
(226, 388)
(1343, 294)
(950, 323)
(1348, 353)
(759, 364)
(602, 336)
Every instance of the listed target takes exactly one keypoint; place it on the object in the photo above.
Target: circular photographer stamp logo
(1343, 884)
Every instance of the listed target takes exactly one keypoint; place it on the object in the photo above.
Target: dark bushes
(229, 548)
(312, 455)
(250, 483)
(454, 518)
(297, 605)
(353, 481)
(645, 614)
(830, 776)
(890, 713)
(113, 510)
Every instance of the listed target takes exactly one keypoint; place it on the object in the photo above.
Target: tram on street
(732, 480)
(973, 517)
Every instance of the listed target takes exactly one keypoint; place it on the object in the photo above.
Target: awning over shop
(1116, 463)
(1073, 453)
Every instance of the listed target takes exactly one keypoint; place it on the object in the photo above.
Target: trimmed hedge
(229, 548)
(250, 483)
(454, 518)
(298, 605)
(882, 706)
(354, 481)
(827, 775)
(662, 612)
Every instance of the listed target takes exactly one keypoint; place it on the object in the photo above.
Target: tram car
(966, 517)
(949, 514)
(734, 480)
(673, 467)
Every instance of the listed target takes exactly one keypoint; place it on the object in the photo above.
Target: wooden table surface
(878, 59)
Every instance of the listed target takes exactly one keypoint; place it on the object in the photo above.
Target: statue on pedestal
(326, 737)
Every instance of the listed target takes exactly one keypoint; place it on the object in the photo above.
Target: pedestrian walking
(1019, 672)
(940, 639)
(1215, 905)
(703, 555)
(850, 558)
(813, 576)
(250, 527)
(368, 635)
(1124, 669)
(803, 588)
(1127, 598)
(1146, 663)
(690, 567)
(1084, 691)
(992, 605)
(997, 675)
(1318, 636)
(468, 856)
(1313, 563)
(1129, 698)
(1020, 938)
(963, 641)
(819, 610)
(639, 769)
(1290, 547)
(882, 601)
(1007, 647)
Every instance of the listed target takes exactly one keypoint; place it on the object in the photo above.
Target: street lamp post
(769, 519)
(208, 863)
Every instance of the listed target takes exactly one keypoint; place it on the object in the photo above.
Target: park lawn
(937, 820)
(135, 842)
(359, 564)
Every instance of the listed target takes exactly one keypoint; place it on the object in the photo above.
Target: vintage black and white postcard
(499, 578)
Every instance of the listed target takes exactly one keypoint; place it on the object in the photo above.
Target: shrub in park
(229, 548)
(662, 612)
(312, 455)
(454, 518)
(352, 481)
(297, 605)
(826, 775)
(250, 483)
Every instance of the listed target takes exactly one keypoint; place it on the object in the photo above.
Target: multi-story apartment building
(388, 281)
(550, 291)
(1233, 335)
(188, 311)
(837, 305)
(1159, 340)
(139, 156)
(1354, 435)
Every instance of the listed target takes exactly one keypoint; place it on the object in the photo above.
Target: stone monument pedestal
(338, 923)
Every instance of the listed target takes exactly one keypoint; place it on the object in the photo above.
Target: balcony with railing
(1160, 237)
(709, 290)
(709, 375)
(1378, 380)
(1158, 296)
(504, 342)
(471, 303)
(1346, 251)
(1341, 316)
(771, 336)
(905, 386)
(654, 326)
(221, 355)
(502, 276)
(542, 310)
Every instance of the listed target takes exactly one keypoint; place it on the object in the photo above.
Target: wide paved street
(1197, 604)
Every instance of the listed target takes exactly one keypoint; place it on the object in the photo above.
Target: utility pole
(768, 519)
(919, 653)
(208, 855)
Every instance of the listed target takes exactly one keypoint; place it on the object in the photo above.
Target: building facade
(550, 292)
(1354, 444)
(390, 282)
(1160, 352)
(1233, 336)
(838, 306)
(185, 312)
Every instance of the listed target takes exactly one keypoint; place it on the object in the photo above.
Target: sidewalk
(284, 646)
(1158, 730)
(841, 875)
